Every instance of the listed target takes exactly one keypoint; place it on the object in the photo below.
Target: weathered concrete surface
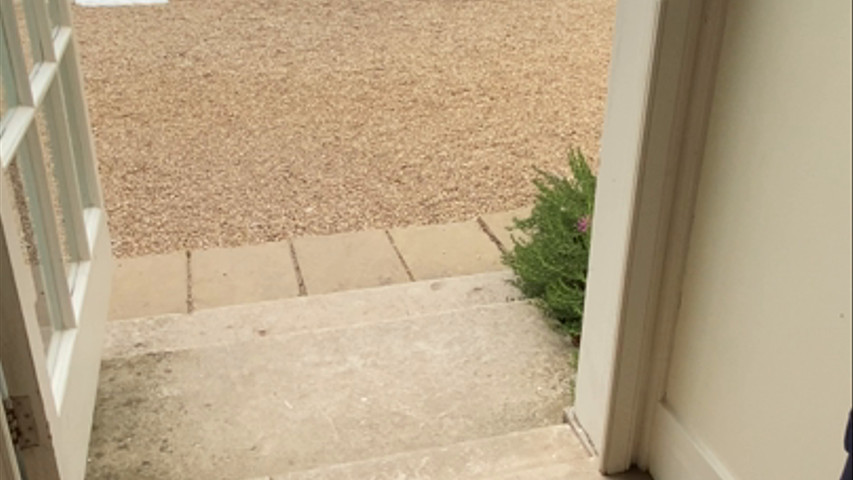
(565, 471)
(279, 404)
(151, 285)
(222, 326)
(547, 449)
(348, 261)
(500, 223)
(437, 251)
(233, 276)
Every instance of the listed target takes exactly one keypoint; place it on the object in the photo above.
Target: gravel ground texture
(223, 123)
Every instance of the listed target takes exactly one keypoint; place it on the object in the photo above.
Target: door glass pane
(13, 181)
(8, 98)
(30, 50)
(49, 157)
(54, 15)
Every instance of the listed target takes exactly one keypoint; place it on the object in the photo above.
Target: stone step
(568, 471)
(549, 452)
(226, 325)
(274, 404)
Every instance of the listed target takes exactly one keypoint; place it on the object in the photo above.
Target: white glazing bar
(61, 37)
(71, 79)
(34, 175)
(40, 80)
(65, 171)
(39, 28)
(45, 231)
(14, 129)
(22, 116)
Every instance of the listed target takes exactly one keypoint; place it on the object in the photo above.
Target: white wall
(761, 372)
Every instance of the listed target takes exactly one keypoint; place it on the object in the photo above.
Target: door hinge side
(22, 425)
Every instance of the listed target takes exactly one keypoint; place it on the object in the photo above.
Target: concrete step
(537, 454)
(226, 325)
(567, 471)
(275, 403)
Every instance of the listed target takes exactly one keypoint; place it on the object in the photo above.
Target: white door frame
(52, 384)
(663, 69)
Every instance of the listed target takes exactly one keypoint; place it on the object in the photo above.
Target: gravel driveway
(222, 123)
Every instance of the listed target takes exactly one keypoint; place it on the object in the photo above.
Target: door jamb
(633, 345)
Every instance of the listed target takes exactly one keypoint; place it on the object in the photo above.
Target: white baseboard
(677, 455)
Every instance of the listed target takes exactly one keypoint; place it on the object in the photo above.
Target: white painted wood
(79, 356)
(71, 79)
(65, 171)
(631, 75)
(24, 365)
(45, 231)
(39, 27)
(680, 455)
(647, 171)
(708, 27)
(34, 178)
(17, 122)
(760, 370)
(41, 79)
(720, 394)
(61, 39)
(63, 385)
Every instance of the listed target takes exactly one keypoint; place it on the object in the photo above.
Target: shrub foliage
(550, 258)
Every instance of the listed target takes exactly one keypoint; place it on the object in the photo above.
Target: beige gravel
(221, 123)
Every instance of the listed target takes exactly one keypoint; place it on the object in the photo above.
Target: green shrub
(550, 264)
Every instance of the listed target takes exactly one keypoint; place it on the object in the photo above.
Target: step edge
(562, 427)
(505, 276)
(249, 333)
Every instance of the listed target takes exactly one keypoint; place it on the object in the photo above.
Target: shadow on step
(632, 475)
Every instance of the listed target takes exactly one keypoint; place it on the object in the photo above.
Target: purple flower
(583, 224)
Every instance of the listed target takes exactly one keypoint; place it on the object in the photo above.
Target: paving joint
(190, 305)
(490, 234)
(303, 290)
(188, 281)
(400, 256)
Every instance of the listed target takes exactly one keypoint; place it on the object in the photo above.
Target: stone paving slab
(156, 285)
(437, 251)
(499, 223)
(233, 276)
(348, 261)
(150, 285)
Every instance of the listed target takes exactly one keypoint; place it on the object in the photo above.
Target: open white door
(55, 260)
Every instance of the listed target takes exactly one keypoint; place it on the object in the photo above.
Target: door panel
(55, 242)
(759, 384)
